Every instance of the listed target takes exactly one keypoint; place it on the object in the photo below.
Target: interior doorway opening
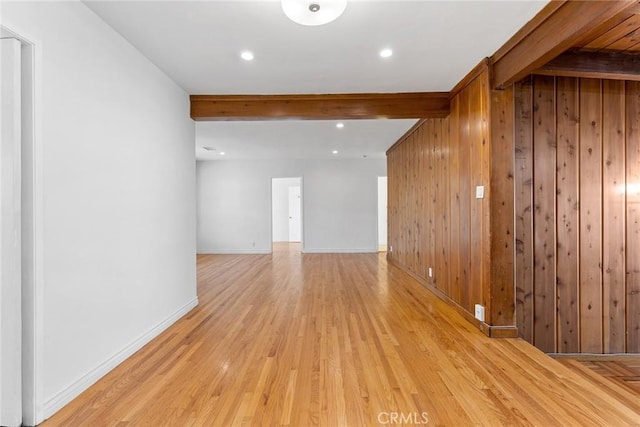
(382, 214)
(20, 327)
(286, 210)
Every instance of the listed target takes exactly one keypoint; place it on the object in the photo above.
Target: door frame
(302, 239)
(33, 404)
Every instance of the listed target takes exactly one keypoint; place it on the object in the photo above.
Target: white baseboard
(233, 251)
(66, 395)
(340, 251)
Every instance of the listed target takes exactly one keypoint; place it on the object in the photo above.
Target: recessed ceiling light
(385, 53)
(335, 152)
(339, 125)
(247, 55)
(222, 153)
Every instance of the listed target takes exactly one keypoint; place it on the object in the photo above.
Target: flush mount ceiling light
(386, 53)
(313, 12)
(339, 125)
(334, 152)
(247, 55)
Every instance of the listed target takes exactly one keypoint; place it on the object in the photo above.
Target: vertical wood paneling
(488, 240)
(591, 216)
(455, 288)
(436, 199)
(465, 194)
(436, 180)
(523, 102)
(476, 285)
(613, 216)
(633, 215)
(501, 231)
(544, 212)
(445, 253)
(568, 112)
(597, 202)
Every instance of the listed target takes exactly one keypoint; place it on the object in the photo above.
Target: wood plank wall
(577, 204)
(435, 219)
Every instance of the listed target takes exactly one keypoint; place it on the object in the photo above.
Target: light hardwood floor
(291, 339)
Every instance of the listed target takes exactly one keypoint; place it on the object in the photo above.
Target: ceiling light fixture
(222, 153)
(334, 152)
(247, 55)
(340, 125)
(386, 53)
(313, 12)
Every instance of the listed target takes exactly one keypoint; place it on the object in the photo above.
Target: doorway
(20, 344)
(286, 212)
(382, 214)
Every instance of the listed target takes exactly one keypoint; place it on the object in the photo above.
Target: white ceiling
(198, 44)
(298, 139)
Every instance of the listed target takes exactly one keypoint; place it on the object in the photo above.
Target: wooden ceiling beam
(558, 27)
(320, 107)
(599, 65)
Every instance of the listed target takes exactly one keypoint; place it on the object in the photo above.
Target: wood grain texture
(600, 65)
(597, 168)
(591, 340)
(540, 41)
(544, 213)
(501, 175)
(335, 339)
(616, 33)
(523, 134)
(330, 106)
(568, 220)
(633, 216)
(459, 237)
(613, 216)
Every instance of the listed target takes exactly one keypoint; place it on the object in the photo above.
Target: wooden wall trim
(406, 135)
(555, 29)
(321, 107)
(599, 65)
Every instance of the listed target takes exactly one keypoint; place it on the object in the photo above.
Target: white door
(294, 214)
(10, 235)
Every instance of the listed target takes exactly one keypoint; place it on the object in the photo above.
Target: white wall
(280, 207)
(339, 204)
(10, 226)
(115, 196)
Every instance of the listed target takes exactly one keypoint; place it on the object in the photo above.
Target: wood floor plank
(337, 339)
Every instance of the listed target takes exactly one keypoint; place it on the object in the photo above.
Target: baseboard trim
(488, 330)
(233, 251)
(66, 395)
(604, 357)
(339, 251)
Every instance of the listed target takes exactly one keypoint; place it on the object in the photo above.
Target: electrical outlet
(480, 192)
(390, 248)
(430, 272)
(480, 312)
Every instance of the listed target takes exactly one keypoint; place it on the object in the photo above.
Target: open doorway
(20, 340)
(382, 214)
(286, 214)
